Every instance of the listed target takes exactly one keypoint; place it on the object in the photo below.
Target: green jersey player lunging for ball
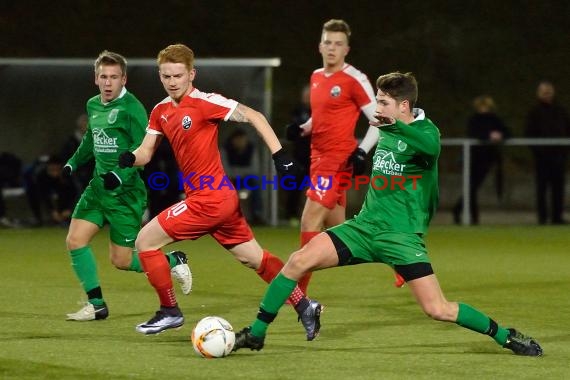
(401, 200)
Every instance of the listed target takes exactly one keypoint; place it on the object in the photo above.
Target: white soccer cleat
(89, 312)
(162, 320)
(181, 272)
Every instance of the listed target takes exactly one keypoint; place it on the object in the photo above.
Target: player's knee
(142, 245)
(250, 259)
(297, 266)
(73, 241)
(120, 262)
(437, 311)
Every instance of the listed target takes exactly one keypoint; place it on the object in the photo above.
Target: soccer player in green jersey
(115, 196)
(401, 200)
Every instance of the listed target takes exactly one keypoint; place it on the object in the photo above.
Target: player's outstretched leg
(521, 344)
(308, 311)
(164, 319)
(181, 271)
(245, 339)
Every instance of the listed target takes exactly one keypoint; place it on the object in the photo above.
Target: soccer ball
(213, 337)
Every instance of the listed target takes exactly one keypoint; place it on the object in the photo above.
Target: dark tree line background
(458, 50)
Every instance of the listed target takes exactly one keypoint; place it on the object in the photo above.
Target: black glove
(284, 164)
(66, 171)
(127, 160)
(293, 131)
(358, 161)
(110, 181)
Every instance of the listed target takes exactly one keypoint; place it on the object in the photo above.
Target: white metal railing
(466, 145)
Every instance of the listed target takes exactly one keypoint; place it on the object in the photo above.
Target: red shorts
(325, 188)
(197, 216)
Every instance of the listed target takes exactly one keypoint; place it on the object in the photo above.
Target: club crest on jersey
(335, 91)
(402, 146)
(112, 118)
(186, 122)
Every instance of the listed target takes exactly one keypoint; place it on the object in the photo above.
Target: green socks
(275, 296)
(136, 263)
(85, 268)
(473, 319)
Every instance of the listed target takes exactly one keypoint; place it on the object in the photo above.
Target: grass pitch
(520, 276)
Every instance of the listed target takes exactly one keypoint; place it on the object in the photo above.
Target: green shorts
(123, 212)
(366, 243)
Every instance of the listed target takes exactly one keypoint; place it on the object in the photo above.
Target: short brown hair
(337, 25)
(399, 86)
(177, 53)
(108, 58)
(484, 101)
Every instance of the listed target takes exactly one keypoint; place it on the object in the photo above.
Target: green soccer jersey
(114, 128)
(403, 192)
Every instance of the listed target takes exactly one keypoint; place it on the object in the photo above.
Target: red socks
(307, 236)
(155, 265)
(269, 268)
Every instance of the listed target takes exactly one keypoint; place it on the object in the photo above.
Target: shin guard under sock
(155, 265)
(269, 268)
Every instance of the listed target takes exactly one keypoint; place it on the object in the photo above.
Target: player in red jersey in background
(189, 119)
(339, 92)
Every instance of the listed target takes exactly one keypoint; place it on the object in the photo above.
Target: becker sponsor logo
(385, 162)
(103, 143)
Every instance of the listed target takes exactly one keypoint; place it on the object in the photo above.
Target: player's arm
(424, 141)
(244, 114)
(83, 154)
(371, 137)
(283, 163)
(358, 156)
(307, 127)
(145, 151)
(137, 126)
(295, 131)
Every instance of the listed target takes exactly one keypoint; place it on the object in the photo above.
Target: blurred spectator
(84, 173)
(10, 170)
(163, 161)
(486, 126)
(301, 149)
(548, 119)
(240, 159)
(47, 189)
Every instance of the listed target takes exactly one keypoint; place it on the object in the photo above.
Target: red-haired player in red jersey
(189, 119)
(339, 93)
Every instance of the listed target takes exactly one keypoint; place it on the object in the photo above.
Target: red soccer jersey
(192, 130)
(336, 101)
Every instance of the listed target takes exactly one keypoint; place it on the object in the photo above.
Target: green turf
(518, 275)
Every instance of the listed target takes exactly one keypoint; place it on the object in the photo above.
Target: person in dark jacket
(487, 126)
(548, 119)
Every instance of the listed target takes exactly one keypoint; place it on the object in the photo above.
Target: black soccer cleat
(245, 339)
(521, 344)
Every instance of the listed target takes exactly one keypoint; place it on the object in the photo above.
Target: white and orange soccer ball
(213, 337)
